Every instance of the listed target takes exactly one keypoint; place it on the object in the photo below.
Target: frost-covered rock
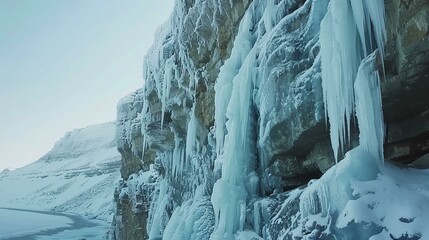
(129, 138)
(234, 128)
(75, 176)
(405, 101)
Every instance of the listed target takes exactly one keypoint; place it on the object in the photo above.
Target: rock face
(405, 100)
(173, 133)
(75, 176)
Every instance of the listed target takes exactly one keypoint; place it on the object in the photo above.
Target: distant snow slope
(78, 175)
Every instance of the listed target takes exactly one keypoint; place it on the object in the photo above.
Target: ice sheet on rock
(229, 194)
(288, 77)
(354, 196)
(233, 110)
(191, 137)
(236, 89)
(193, 220)
(162, 61)
(178, 158)
(346, 39)
(224, 83)
(157, 215)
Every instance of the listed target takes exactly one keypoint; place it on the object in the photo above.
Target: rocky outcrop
(153, 123)
(405, 100)
(129, 138)
(171, 128)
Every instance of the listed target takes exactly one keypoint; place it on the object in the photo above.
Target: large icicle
(223, 86)
(346, 37)
(368, 108)
(229, 192)
(156, 227)
(166, 85)
(340, 61)
(351, 32)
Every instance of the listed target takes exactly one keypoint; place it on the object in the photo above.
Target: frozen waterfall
(350, 31)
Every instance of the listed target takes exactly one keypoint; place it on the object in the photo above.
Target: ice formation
(272, 88)
(236, 146)
(346, 37)
(368, 108)
(245, 80)
(351, 87)
(350, 84)
(229, 193)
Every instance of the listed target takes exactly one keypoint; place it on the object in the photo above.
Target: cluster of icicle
(233, 102)
(352, 35)
(352, 38)
(235, 120)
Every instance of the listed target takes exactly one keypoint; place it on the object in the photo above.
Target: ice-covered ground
(353, 195)
(24, 224)
(18, 223)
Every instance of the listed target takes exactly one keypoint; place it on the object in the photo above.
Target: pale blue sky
(64, 64)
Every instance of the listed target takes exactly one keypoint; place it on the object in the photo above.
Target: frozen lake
(19, 224)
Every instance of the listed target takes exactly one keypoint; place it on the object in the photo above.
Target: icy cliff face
(75, 176)
(236, 109)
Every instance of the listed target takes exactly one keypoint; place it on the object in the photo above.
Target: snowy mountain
(78, 175)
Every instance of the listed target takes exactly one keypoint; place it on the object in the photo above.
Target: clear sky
(64, 64)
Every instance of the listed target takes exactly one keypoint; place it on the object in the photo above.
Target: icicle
(376, 14)
(229, 193)
(346, 38)
(158, 211)
(223, 86)
(368, 108)
(178, 158)
(166, 85)
(191, 136)
(340, 61)
(143, 149)
(144, 111)
(369, 19)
